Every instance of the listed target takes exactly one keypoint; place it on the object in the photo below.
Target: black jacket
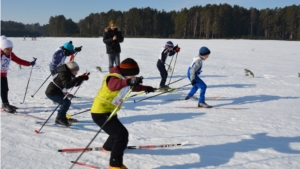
(112, 46)
(64, 79)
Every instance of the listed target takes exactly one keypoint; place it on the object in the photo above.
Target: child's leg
(202, 86)
(64, 107)
(4, 90)
(117, 140)
(163, 73)
(193, 90)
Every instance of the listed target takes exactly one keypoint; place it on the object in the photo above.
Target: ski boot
(204, 105)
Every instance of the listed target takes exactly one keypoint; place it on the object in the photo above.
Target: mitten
(135, 81)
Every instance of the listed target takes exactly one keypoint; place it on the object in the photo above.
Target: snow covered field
(265, 133)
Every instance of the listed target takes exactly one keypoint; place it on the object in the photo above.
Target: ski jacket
(164, 53)
(64, 79)
(5, 62)
(58, 58)
(114, 87)
(194, 69)
(112, 46)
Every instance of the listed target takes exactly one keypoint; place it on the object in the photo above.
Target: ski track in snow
(264, 135)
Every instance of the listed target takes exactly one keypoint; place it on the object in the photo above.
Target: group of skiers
(115, 85)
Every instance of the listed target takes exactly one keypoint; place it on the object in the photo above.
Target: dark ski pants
(200, 84)
(4, 90)
(64, 107)
(163, 73)
(113, 58)
(117, 140)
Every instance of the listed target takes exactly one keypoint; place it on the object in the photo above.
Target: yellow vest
(103, 101)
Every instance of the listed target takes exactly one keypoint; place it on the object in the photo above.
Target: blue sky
(33, 11)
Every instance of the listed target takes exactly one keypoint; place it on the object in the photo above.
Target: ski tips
(36, 131)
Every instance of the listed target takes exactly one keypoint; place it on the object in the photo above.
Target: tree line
(199, 22)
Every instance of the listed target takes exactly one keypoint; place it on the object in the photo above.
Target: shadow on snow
(217, 155)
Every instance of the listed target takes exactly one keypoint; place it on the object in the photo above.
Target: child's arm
(19, 61)
(67, 81)
(115, 84)
(197, 64)
(172, 52)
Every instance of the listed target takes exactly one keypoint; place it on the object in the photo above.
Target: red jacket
(115, 83)
(15, 59)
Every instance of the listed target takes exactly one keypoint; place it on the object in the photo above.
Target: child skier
(60, 55)
(6, 56)
(193, 74)
(115, 85)
(168, 50)
(65, 78)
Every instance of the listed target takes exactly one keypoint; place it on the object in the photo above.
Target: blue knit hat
(169, 44)
(204, 51)
(69, 46)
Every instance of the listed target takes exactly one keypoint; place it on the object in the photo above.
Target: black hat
(129, 67)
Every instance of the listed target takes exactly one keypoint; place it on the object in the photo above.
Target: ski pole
(111, 115)
(69, 116)
(173, 68)
(170, 64)
(41, 85)
(28, 82)
(38, 131)
(139, 93)
(160, 93)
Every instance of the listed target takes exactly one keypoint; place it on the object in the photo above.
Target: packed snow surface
(263, 133)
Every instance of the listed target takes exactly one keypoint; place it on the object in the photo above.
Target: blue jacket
(194, 69)
(58, 58)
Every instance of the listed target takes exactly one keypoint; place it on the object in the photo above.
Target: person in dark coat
(64, 79)
(112, 37)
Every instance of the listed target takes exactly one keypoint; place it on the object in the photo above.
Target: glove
(33, 62)
(135, 81)
(176, 48)
(194, 82)
(149, 89)
(78, 49)
(84, 76)
(53, 72)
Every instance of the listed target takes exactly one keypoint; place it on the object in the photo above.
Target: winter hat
(5, 43)
(129, 67)
(73, 66)
(69, 46)
(204, 51)
(3, 37)
(169, 44)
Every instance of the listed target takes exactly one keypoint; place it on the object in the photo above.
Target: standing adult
(112, 37)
